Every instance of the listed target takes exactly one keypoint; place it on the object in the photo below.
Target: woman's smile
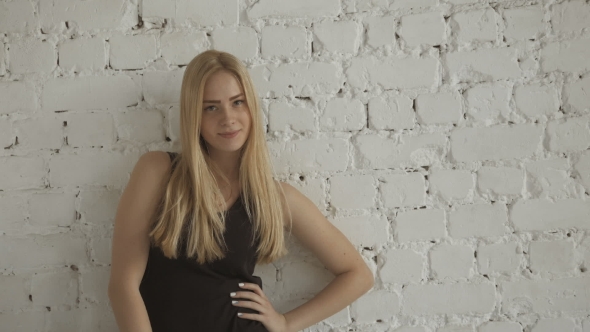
(230, 134)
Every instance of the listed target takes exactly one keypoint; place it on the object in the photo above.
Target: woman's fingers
(254, 288)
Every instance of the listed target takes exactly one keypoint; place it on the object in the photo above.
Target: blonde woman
(191, 226)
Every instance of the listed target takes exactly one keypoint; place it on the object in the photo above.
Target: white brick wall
(448, 140)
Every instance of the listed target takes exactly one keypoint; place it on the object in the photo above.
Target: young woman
(191, 227)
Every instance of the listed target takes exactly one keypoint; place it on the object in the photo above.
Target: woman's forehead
(222, 84)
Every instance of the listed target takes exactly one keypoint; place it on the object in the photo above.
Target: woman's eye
(239, 101)
(210, 108)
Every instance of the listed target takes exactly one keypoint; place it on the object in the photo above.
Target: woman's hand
(272, 320)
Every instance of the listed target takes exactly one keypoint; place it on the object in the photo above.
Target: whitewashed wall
(448, 139)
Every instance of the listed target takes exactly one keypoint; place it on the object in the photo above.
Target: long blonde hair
(192, 197)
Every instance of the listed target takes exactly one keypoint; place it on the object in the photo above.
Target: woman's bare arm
(130, 247)
(334, 250)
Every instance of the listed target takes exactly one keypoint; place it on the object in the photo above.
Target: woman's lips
(230, 135)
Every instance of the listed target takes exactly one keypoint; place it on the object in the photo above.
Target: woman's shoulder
(156, 161)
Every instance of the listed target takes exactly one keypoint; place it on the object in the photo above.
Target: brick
(132, 52)
(90, 92)
(377, 304)
(31, 173)
(565, 295)
(524, 22)
(550, 178)
(500, 327)
(461, 2)
(536, 101)
(15, 293)
(410, 4)
(403, 190)
(483, 65)
(451, 261)
(566, 56)
(420, 225)
(353, 192)
(173, 125)
(569, 135)
(208, 12)
(410, 329)
(55, 288)
(23, 321)
(14, 212)
(282, 116)
(140, 126)
(499, 258)
(438, 108)
(287, 8)
(582, 166)
(94, 284)
(17, 16)
(17, 96)
(314, 189)
(30, 55)
(552, 256)
(310, 155)
(40, 132)
(2, 60)
(500, 180)
(55, 250)
(284, 42)
(554, 324)
(476, 25)
(392, 73)
(52, 209)
(90, 129)
(101, 250)
(543, 214)
(162, 87)
(380, 31)
(342, 114)
(457, 298)
(570, 16)
(363, 231)
(7, 137)
(87, 15)
(298, 79)
(302, 278)
(179, 48)
(495, 143)
(376, 152)
(577, 94)
(479, 220)
(391, 111)
(425, 28)
(72, 170)
(82, 54)
(402, 266)
(341, 37)
(239, 41)
(456, 328)
(99, 207)
(451, 184)
(159, 8)
(488, 104)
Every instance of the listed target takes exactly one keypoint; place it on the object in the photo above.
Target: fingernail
(232, 294)
(241, 284)
(239, 314)
(234, 302)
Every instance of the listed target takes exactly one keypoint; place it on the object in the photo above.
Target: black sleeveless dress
(181, 295)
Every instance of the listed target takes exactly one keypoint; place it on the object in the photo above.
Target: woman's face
(224, 111)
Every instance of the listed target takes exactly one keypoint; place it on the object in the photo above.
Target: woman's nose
(227, 116)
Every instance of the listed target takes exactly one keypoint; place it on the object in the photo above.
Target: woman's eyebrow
(219, 101)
